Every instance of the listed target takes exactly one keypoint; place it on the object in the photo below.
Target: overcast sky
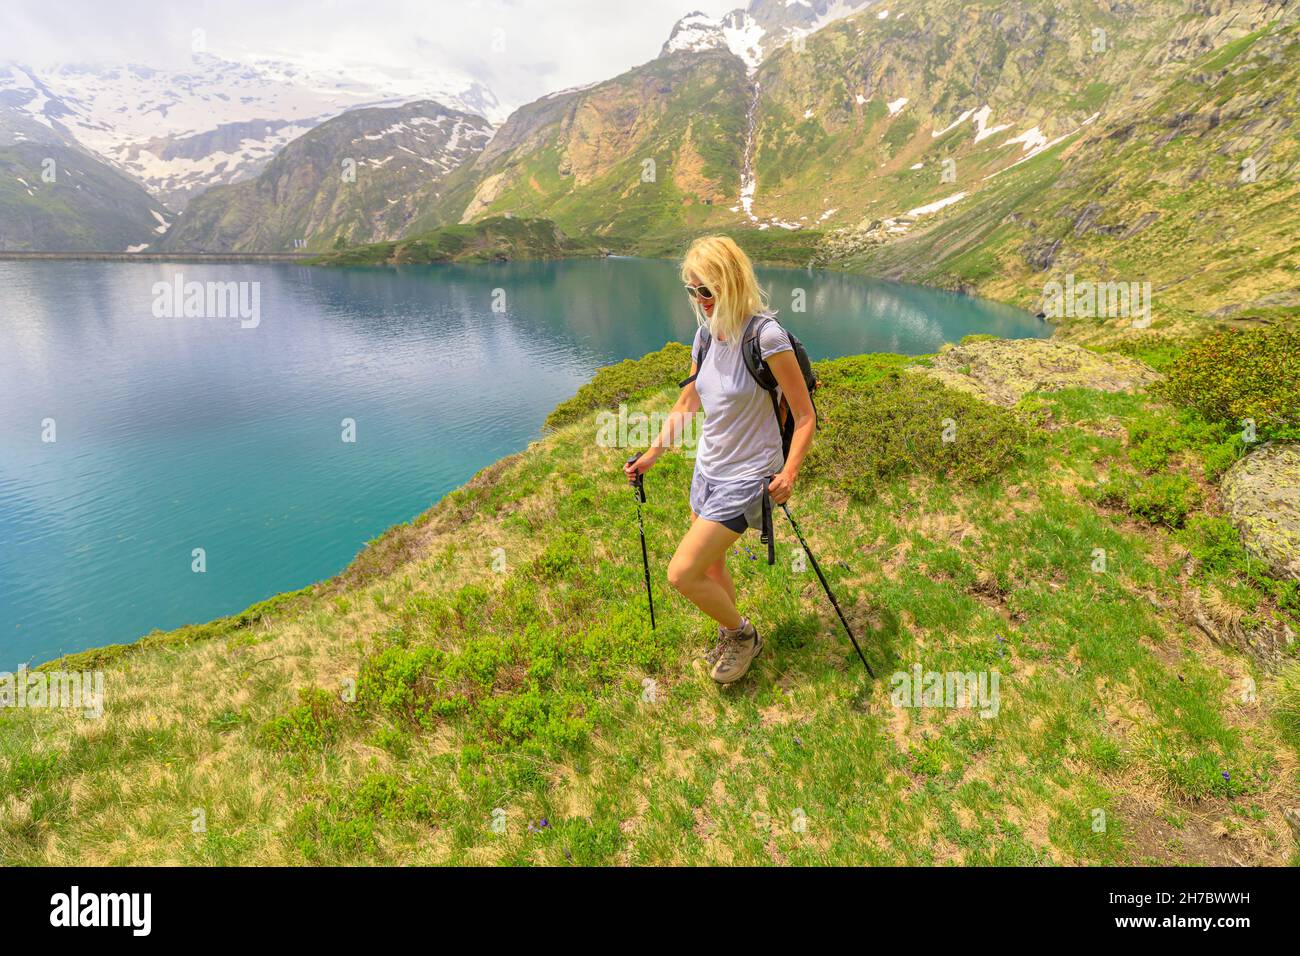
(520, 48)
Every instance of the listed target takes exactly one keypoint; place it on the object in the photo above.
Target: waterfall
(747, 182)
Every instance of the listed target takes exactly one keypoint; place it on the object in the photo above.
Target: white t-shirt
(740, 440)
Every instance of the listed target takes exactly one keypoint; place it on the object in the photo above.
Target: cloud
(521, 49)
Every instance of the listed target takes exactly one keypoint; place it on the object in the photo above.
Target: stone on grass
(1262, 496)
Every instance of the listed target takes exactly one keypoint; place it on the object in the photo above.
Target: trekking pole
(827, 588)
(638, 489)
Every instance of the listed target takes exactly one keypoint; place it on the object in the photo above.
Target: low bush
(1162, 499)
(903, 424)
(1238, 375)
(1155, 441)
(311, 726)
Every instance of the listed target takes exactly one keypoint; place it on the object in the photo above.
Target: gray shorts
(729, 503)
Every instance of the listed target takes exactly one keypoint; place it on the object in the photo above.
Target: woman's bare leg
(703, 548)
(718, 572)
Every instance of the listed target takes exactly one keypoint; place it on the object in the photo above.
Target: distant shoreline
(163, 256)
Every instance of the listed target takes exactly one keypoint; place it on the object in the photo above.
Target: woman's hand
(644, 462)
(781, 487)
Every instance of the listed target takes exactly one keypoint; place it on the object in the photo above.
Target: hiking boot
(735, 654)
(712, 654)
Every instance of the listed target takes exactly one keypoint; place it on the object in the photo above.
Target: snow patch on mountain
(982, 129)
(1035, 142)
(1029, 139)
(953, 125)
(936, 205)
(980, 118)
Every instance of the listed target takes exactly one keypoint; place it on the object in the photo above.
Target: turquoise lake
(172, 434)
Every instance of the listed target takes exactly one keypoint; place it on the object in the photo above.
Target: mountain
(57, 196)
(655, 150)
(753, 32)
(361, 177)
(991, 147)
(218, 120)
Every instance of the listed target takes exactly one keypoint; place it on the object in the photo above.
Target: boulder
(1262, 496)
(1002, 371)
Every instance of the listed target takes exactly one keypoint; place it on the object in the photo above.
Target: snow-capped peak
(752, 33)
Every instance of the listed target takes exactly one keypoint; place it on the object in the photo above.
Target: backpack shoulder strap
(757, 367)
(706, 339)
(753, 355)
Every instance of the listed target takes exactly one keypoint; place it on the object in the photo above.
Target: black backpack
(758, 370)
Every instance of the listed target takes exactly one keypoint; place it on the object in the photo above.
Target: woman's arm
(789, 376)
(687, 404)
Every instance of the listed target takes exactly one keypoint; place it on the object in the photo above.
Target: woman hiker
(739, 453)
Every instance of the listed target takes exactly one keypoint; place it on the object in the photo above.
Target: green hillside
(56, 196)
(1193, 190)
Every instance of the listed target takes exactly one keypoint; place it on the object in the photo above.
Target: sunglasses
(699, 292)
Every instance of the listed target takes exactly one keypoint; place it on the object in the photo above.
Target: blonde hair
(723, 266)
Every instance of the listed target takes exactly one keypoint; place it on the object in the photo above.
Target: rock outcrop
(1002, 371)
(1262, 496)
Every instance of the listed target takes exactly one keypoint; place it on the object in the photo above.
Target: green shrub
(1157, 350)
(560, 558)
(410, 684)
(378, 795)
(393, 740)
(617, 383)
(1157, 440)
(556, 719)
(311, 726)
(856, 372)
(897, 425)
(1163, 499)
(1237, 375)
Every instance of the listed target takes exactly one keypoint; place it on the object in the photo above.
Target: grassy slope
(520, 685)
